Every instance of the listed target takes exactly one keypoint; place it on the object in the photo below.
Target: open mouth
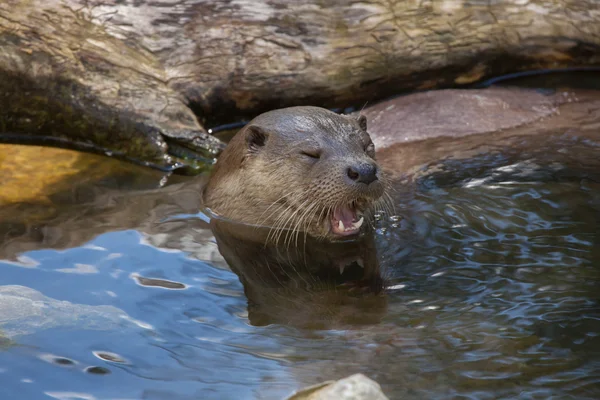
(346, 220)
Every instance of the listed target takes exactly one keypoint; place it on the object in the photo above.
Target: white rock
(354, 387)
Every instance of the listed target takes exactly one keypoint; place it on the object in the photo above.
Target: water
(499, 273)
(491, 263)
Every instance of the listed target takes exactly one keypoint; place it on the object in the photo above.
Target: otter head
(298, 169)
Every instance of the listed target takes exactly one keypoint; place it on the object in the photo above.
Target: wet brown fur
(266, 175)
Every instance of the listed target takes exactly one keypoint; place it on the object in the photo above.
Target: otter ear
(362, 121)
(256, 137)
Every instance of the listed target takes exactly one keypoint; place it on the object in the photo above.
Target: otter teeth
(353, 227)
(358, 223)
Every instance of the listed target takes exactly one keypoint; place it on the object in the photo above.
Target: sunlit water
(493, 274)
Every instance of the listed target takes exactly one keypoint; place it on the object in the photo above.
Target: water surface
(492, 267)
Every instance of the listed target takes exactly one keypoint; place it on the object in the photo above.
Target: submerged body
(298, 169)
(319, 284)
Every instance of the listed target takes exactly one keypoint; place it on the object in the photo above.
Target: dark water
(493, 268)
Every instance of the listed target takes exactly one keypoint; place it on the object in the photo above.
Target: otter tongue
(346, 216)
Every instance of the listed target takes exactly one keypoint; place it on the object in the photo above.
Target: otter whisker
(321, 217)
(279, 206)
(295, 233)
(385, 203)
(362, 109)
(281, 223)
(290, 232)
(285, 221)
(389, 202)
(276, 227)
(298, 224)
(304, 223)
(276, 203)
(328, 210)
(387, 199)
(305, 220)
(308, 220)
(273, 228)
(291, 217)
(308, 217)
(384, 207)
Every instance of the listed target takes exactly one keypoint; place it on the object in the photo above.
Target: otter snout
(362, 173)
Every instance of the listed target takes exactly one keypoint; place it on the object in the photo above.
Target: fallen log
(141, 76)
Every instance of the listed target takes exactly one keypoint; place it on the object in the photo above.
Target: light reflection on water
(505, 268)
(492, 265)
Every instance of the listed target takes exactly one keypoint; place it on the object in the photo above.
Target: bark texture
(250, 55)
(63, 75)
(127, 69)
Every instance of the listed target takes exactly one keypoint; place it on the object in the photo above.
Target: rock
(354, 387)
(455, 113)
(415, 130)
(26, 311)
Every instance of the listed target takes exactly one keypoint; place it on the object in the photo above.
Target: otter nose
(363, 173)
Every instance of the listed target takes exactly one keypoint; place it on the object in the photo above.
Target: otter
(309, 174)
(299, 169)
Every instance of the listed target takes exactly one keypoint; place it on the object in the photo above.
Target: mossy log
(63, 75)
(136, 75)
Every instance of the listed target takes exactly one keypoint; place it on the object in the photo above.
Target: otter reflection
(316, 284)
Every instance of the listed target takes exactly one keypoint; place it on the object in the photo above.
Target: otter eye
(314, 154)
(370, 149)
